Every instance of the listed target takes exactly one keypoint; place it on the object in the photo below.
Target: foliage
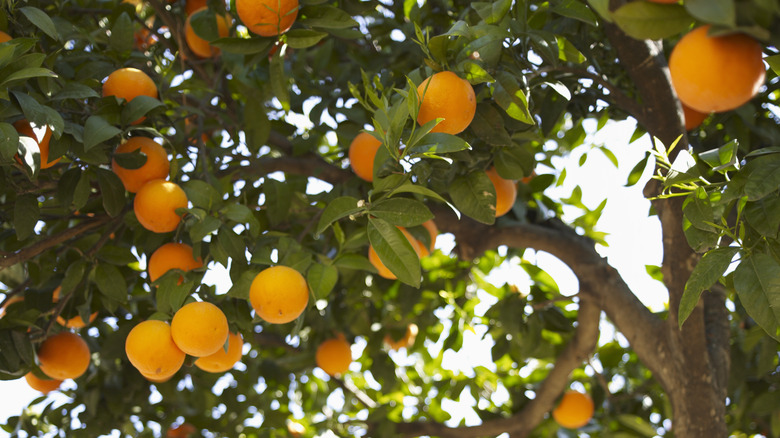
(258, 138)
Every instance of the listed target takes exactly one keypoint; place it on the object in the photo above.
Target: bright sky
(633, 243)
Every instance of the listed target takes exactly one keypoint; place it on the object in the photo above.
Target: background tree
(252, 173)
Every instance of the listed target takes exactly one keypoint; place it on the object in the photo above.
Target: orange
(76, 322)
(128, 83)
(159, 379)
(506, 192)
(279, 294)
(692, 118)
(185, 430)
(334, 356)
(574, 410)
(64, 356)
(156, 166)
(383, 270)
(193, 5)
(156, 203)
(13, 299)
(222, 360)
(716, 73)
(362, 151)
(43, 385)
(23, 127)
(267, 17)
(445, 95)
(150, 348)
(527, 179)
(200, 46)
(433, 231)
(405, 341)
(172, 256)
(4, 37)
(199, 329)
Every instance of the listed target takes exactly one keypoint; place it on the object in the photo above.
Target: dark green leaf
(403, 212)
(243, 46)
(653, 21)
(121, 38)
(82, 192)
(202, 195)
(98, 130)
(698, 210)
(439, 143)
(138, 107)
(303, 38)
(26, 215)
(326, 17)
(576, 10)
(709, 270)
(27, 73)
(112, 192)
(395, 251)
(757, 283)
(512, 98)
(713, 11)
(322, 279)
(278, 199)
(110, 282)
(492, 12)
(475, 196)
(337, 209)
(9, 141)
(763, 176)
(514, 162)
(41, 21)
(73, 276)
(764, 216)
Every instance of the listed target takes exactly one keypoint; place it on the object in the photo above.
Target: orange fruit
(433, 231)
(267, 17)
(222, 360)
(199, 328)
(158, 379)
(42, 385)
(574, 410)
(506, 192)
(200, 46)
(527, 179)
(150, 348)
(716, 73)
(64, 356)
(77, 321)
(362, 151)
(13, 299)
(23, 127)
(156, 166)
(4, 37)
(447, 96)
(334, 356)
(279, 294)
(405, 341)
(383, 270)
(193, 5)
(692, 118)
(185, 430)
(128, 83)
(172, 255)
(155, 205)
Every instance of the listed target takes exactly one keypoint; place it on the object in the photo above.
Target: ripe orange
(13, 299)
(193, 5)
(692, 117)
(445, 95)
(155, 205)
(172, 256)
(383, 270)
(199, 328)
(279, 294)
(64, 356)
(184, 430)
(506, 192)
(222, 360)
(4, 37)
(574, 410)
(433, 231)
(200, 46)
(23, 127)
(362, 151)
(160, 379)
(43, 385)
(334, 356)
(156, 166)
(76, 322)
(128, 83)
(715, 74)
(405, 341)
(267, 17)
(150, 348)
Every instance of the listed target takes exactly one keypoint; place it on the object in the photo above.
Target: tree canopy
(255, 105)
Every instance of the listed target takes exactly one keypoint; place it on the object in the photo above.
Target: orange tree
(258, 138)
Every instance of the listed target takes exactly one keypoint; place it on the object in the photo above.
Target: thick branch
(522, 423)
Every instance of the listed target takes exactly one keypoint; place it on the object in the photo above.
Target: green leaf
(73, 276)
(27, 73)
(280, 83)
(82, 191)
(713, 11)
(709, 270)
(232, 243)
(121, 39)
(39, 114)
(201, 229)
(98, 130)
(757, 283)
(514, 162)
(303, 38)
(202, 194)
(774, 63)
(439, 143)
(403, 212)
(638, 425)
(764, 216)
(512, 98)
(139, 107)
(338, 208)
(111, 283)
(652, 21)
(492, 12)
(74, 90)
(636, 172)
(394, 250)
(112, 192)
(576, 10)
(26, 215)
(698, 210)
(763, 176)
(326, 17)
(602, 7)
(278, 199)
(41, 21)
(243, 46)
(322, 279)
(240, 288)
(475, 196)
(722, 158)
